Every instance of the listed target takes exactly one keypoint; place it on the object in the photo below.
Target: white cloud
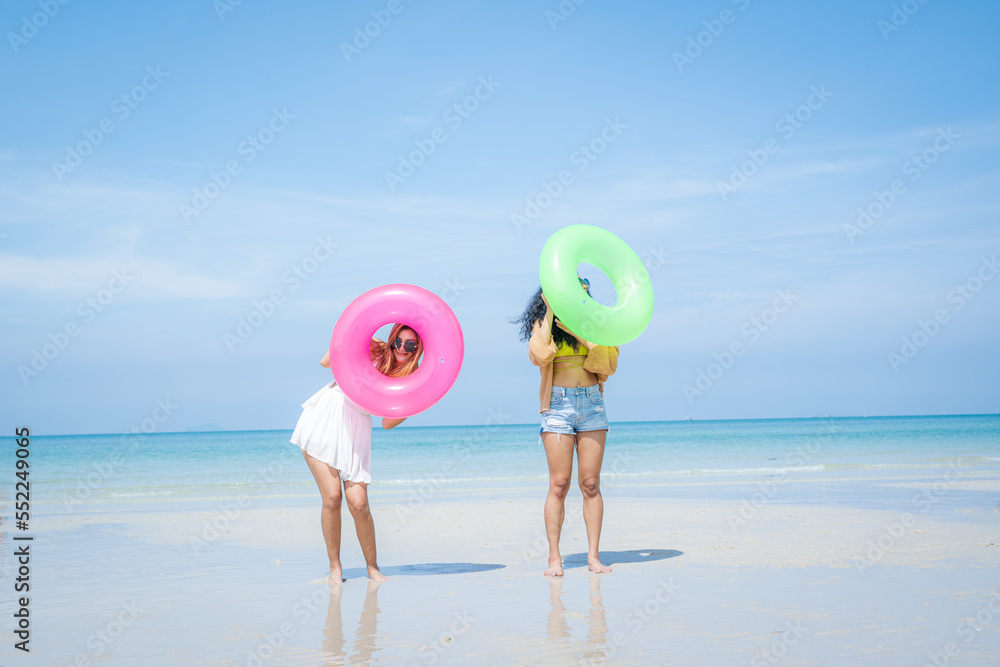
(74, 277)
(414, 121)
(658, 186)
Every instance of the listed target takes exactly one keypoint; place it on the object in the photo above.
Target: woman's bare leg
(559, 453)
(364, 524)
(590, 452)
(328, 481)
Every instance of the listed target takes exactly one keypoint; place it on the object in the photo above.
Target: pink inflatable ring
(424, 312)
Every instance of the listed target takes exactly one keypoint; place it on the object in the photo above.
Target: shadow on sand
(428, 568)
(615, 557)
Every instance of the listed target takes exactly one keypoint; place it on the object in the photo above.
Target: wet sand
(825, 569)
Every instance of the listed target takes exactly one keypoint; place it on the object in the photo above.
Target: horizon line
(480, 426)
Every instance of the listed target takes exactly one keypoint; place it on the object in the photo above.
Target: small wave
(605, 474)
(758, 471)
(149, 493)
(451, 480)
(901, 465)
(713, 471)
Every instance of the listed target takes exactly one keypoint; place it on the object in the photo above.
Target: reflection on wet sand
(593, 647)
(334, 651)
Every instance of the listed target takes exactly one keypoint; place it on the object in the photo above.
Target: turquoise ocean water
(220, 603)
(641, 457)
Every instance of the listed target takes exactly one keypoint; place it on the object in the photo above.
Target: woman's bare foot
(594, 565)
(555, 567)
(336, 574)
(375, 574)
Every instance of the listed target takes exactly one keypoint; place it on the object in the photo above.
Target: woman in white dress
(336, 436)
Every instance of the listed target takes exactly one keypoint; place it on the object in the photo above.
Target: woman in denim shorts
(571, 404)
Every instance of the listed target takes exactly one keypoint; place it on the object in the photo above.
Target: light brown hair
(384, 360)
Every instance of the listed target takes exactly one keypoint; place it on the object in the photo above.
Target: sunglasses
(408, 346)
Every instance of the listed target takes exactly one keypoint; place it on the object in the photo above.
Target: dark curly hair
(534, 311)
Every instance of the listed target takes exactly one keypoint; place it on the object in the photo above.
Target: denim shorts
(575, 409)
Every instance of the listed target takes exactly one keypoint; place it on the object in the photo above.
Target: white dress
(337, 432)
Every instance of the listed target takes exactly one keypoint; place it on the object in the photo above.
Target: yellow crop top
(566, 350)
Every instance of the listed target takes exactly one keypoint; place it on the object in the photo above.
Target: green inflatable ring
(597, 323)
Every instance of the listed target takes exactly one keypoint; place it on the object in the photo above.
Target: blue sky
(807, 111)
